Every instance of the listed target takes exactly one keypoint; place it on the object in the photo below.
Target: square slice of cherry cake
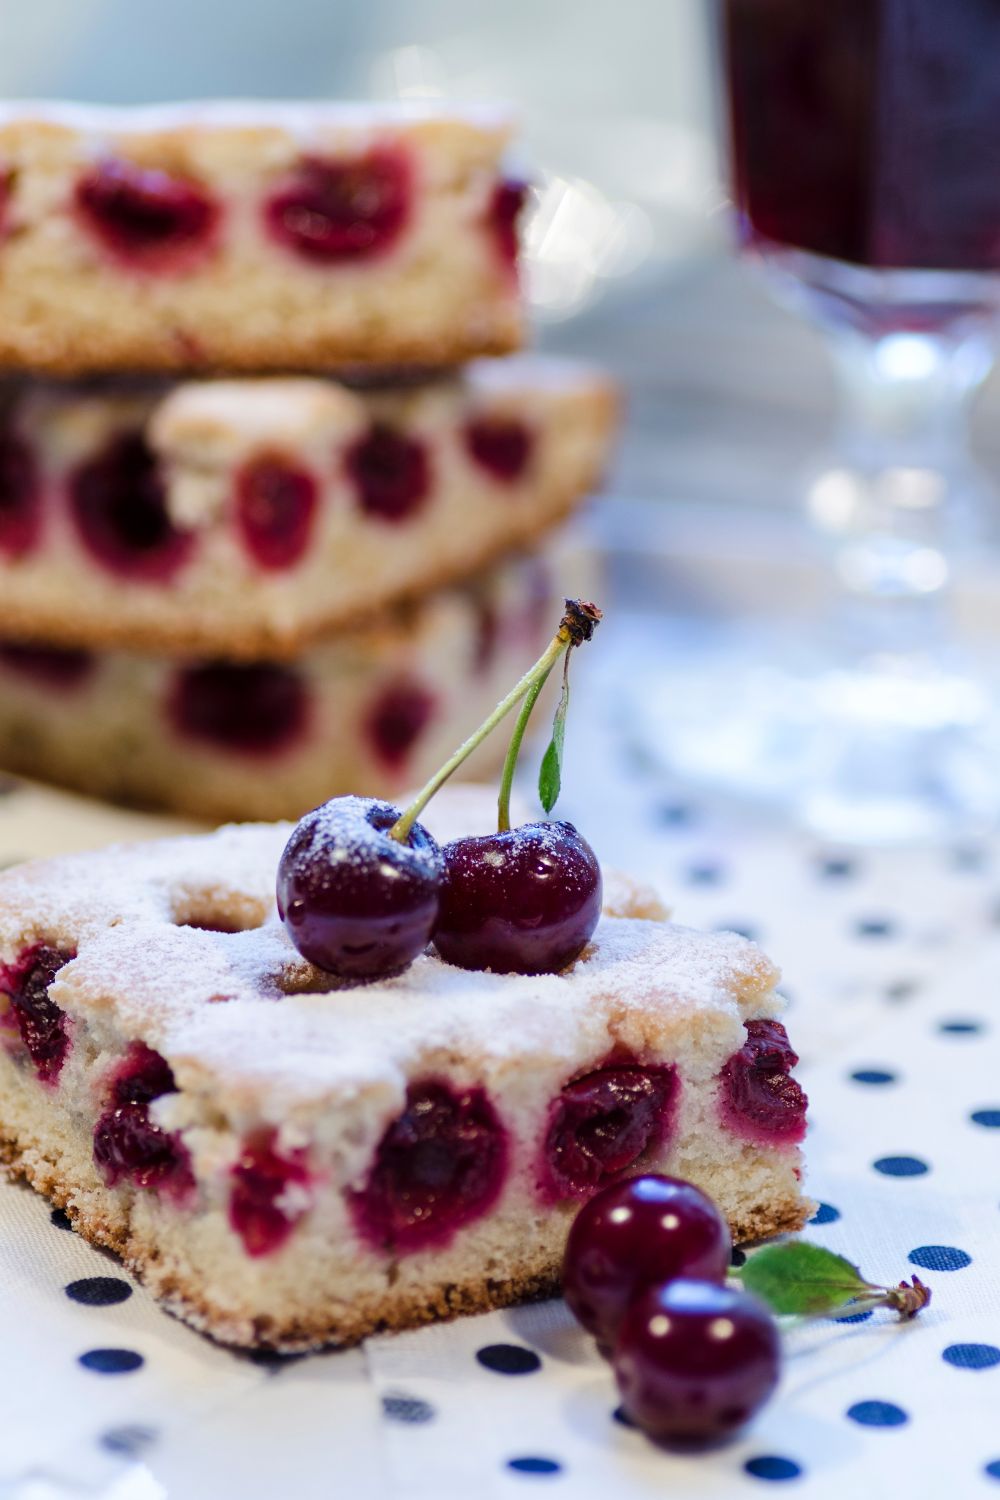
(288, 1162)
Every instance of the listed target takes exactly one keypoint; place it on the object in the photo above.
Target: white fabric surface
(221, 1426)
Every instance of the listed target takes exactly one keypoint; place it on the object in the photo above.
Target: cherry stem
(514, 750)
(577, 625)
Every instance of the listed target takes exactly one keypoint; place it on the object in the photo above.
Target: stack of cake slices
(233, 583)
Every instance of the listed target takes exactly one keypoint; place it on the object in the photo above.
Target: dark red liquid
(867, 130)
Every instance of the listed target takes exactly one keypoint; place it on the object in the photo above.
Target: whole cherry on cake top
(363, 888)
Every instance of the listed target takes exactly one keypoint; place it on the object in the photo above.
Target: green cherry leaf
(550, 773)
(798, 1277)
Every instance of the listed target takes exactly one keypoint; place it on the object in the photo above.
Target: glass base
(882, 750)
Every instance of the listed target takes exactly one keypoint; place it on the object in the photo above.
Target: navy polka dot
(60, 1219)
(901, 989)
(861, 1317)
(769, 1466)
(837, 867)
(128, 1441)
(738, 1258)
(99, 1291)
(960, 1028)
(112, 1361)
(704, 874)
(972, 1356)
(873, 927)
(408, 1409)
(901, 1166)
(622, 1417)
(508, 1359)
(992, 1470)
(675, 814)
(990, 1118)
(939, 1258)
(873, 1075)
(825, 1214)
(877, 1414)
(741, 929)
(272, 1359)
(534, 1465)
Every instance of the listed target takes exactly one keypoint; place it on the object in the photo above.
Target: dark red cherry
(760, 1100)
(52, 666)
(43, 1026)
(440, 1165)
(391, 473)
(20, 496)
(604, 1123)
(507, 201)
(118, 503)
(253, 708)
(128, 1145)
(275, 506)
(6, 190)
(269, 1194)
(397, 719)
(636, 1234)
(521, 902)
(355, 901)
(500, 445)
(695, 1361)
(146, 218)
(331, 211)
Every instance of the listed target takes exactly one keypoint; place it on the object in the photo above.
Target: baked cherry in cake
(438, 1167)
(506, 203)
(635, 1234)
(255, 708)
(356, 901)
(276, 507)
(270, 1192)
(42, 1026)
(147, 219)
(118, 504)
(391, 473)
(397, 719)
(500, 445)
(128, 1144)
(336, 211)
(20, 496)
(51, 666)
(760, 1097)
(604, 1123)
(523, 901)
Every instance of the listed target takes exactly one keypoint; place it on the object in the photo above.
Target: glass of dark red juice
(865, 171)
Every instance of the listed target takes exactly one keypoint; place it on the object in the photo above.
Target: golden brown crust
(186, 1300)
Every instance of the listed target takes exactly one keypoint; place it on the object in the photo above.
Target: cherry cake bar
(247, 517)
(255, 236)
(289, 1162)
(376, 707)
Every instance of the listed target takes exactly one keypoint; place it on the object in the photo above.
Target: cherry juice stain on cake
(276, 507)
(604, 1123)
(57, 667)
(146, 219)
(506, 203)
(43, 1027)
(128, 1145)
(500, 445)
(391, 473)
(332, 211)
(252, 708)
(397, 719)
(760, 1100)
(438, 1167)
(118, 504)
(20, 496)
(269, 1194)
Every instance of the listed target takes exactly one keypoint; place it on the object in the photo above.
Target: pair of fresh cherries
(644, 1272)
(363, 888)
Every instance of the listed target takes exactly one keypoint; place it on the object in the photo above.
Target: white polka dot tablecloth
(892, 967)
